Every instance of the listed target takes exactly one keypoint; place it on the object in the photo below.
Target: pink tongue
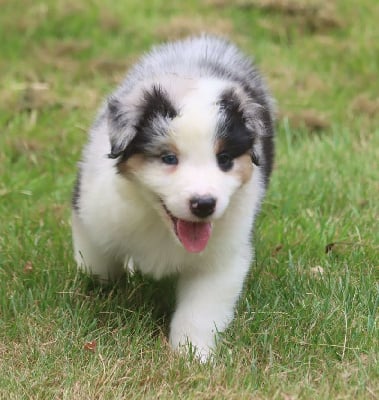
(193, 235)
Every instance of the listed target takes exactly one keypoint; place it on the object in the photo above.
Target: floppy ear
(257, 116)
(248, 113)
(121, 124)
(137, 113)
(259, 119)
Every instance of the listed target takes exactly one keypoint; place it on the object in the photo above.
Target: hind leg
(90, 258)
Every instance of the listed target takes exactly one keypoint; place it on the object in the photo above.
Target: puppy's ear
(243, 107)
(121, 126)
(140, 114)
(260, 118)
(248, 120)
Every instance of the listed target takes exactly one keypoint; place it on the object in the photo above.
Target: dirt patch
(181, 26)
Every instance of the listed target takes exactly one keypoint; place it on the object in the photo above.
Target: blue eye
(225, 161)
(170, 159)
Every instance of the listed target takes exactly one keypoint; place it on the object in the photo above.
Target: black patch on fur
(76, 192)
(154, 110)
(238, 139)
(254, 89)
(249, 79)
(235, 136)
(156, 103)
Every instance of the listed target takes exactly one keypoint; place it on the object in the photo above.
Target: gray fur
(204, 56)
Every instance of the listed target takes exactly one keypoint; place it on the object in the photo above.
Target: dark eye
(170, 159)
(225, 161)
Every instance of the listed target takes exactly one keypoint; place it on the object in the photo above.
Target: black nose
(202, 207)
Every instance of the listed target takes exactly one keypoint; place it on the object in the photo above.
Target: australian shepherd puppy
(172, 177)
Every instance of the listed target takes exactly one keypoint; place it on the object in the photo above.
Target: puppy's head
(191, 145)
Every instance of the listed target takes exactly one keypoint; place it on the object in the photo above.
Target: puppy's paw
(201, 353)
(192, 340)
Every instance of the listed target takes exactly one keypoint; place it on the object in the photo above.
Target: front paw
(194, 340)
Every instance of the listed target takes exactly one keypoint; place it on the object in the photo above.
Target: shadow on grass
(132, 296)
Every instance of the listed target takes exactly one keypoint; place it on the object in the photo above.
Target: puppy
(172, 177)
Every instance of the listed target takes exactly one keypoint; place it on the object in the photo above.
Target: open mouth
(194, 236)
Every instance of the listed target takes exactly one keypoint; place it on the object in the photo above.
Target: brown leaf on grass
(277, 249)
(181, 26)
(90, 346)
(28, 267)
(329, 247)
(333, 245)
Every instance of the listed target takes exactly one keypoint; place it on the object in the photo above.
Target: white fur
(119, 218)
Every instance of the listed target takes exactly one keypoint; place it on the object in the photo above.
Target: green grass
(307, 324)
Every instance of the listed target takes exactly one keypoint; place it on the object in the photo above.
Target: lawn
(306, 326)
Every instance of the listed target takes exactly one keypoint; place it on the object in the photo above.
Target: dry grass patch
(110, 22)
(365, 105)
(35, 97)
(309, 119)
(82, 97)
(181, 26)
(66, 47)
(304, 16)
(112, 69)
(61, 63)
(27, 96)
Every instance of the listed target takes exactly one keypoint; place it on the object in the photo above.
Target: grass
(307, 324)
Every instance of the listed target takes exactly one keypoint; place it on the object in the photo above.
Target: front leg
(89, 256)
(205, 305)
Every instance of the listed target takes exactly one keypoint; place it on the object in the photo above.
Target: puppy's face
(191, 154)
